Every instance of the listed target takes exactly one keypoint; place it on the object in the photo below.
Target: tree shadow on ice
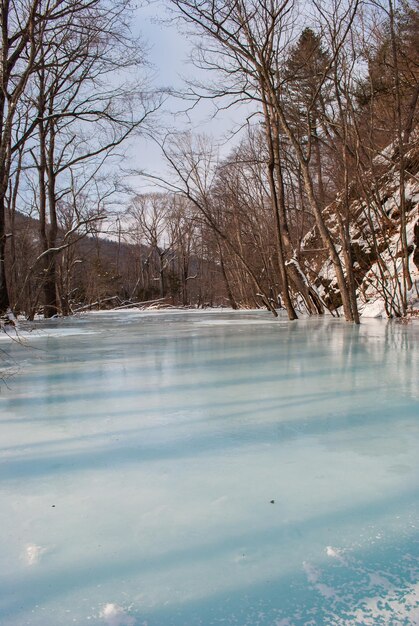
(161, 389)
(198, 413)
(113, 455)
(246, 406)
(275, 595)
(202, 352)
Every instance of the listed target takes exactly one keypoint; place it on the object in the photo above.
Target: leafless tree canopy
(313, 209)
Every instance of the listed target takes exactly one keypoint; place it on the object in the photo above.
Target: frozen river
(202, 468)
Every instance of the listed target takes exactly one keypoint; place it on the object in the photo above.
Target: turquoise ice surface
(204, 468)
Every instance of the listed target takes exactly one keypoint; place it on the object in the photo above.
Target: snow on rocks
(376, 243)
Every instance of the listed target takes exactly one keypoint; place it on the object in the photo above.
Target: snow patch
(391, 608)
(313, 577)
(22, 336)
(334, 553)
(114, 615)
(238, 322)
(387, 598)
(33, 553)
(376, 579)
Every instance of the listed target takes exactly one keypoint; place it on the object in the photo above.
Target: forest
(313, 209)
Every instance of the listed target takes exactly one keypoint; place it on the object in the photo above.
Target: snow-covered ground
(198, 468)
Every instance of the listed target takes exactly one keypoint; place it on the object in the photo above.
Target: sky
(168, 53)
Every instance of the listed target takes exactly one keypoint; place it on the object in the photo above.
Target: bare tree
(74, 111)
(246, 43)
(22, 28)
(150, 214)
(194, 165)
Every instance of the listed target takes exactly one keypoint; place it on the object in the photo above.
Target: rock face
(375, 238)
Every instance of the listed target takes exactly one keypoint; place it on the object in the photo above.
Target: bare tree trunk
(407, 279)
(295, 272)
(292, 315)
(4, 292)
(50, 289)
(317, 212)
(230, 296)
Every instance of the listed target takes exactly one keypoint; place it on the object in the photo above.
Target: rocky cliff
(375, 224)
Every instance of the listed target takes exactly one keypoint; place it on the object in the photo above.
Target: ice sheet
(182, 469)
